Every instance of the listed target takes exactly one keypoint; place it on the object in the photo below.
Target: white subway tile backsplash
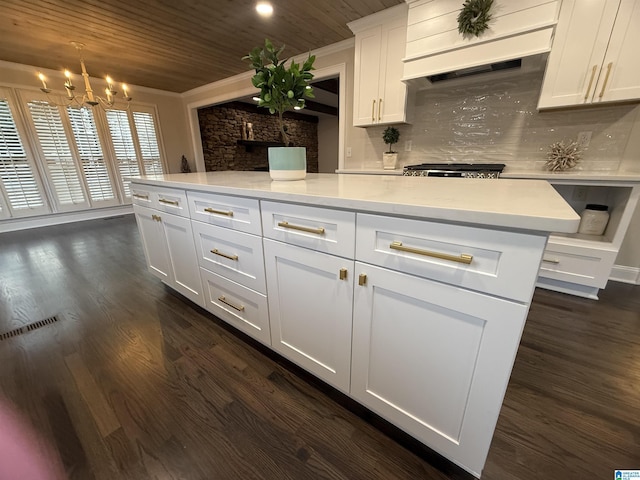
(497, 121)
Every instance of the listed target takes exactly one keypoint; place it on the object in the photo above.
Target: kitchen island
(407, 294)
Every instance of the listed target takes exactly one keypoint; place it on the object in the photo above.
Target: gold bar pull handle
(318, 230)
(362, 279)
(168, 202)
(606, 79)
(373, 111)
(551, 260)
(139, 195)
(343, 274)
(219, 212)
(225, 255)
(227, 302)
(462, 258)
(157, 218)
(593, 74)
(380, 110)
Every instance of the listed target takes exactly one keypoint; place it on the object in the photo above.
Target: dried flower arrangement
(563, 156)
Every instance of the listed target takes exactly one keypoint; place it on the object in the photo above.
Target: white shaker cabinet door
(153, 242)
(620, 77)
(310, 305)
(367, 72)
(170, 250)
(183, 257)
(433, 359)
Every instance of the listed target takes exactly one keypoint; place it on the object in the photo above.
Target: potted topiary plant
(390, 136)
(282, 89)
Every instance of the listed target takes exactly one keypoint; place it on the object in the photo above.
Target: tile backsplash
(478, 121)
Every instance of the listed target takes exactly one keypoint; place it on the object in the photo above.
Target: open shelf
(249, 144)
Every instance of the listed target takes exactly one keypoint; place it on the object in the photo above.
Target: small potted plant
(390, 136)
(282, 89)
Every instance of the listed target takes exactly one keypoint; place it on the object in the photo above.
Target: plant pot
(287, 163)
(389, 160)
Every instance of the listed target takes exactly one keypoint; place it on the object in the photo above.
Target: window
(21, 191)
(94, 167)
(148, 143)
(82, 155)
(63, 173)
(123, 147)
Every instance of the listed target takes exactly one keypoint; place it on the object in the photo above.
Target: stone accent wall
(221, 128)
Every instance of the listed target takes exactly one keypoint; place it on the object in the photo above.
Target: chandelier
(88, 97)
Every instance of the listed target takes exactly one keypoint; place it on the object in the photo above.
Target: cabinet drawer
(141, 195)
(232, 254)
(570, 263)
(170, 200)
(437, 251)
(239, 306)
(238, 213)
(322, 229)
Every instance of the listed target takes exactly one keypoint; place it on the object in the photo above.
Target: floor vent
(28, 328)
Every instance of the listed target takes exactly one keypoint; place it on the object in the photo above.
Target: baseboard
(13, 225)
(621, 273)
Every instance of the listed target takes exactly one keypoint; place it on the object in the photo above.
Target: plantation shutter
(94, 167)
(56, 153)
(123, 146)
(148, 141)
(21, 190)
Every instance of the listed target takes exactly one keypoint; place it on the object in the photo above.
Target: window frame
(8, 211)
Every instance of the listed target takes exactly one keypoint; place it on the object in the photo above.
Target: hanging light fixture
(88, 97)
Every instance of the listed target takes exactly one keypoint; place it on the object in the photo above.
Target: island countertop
(504, 203)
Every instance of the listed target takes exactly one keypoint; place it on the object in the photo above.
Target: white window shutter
(21, 189)
(123, 147)
(56, 153)
(148, 141)
(94, 166)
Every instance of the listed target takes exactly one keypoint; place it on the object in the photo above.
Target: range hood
(518, 39)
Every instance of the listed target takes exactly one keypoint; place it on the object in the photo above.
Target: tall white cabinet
(380, 96)
(594, 56)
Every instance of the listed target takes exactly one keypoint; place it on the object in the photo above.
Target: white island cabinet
(408, 294)
(167, 239)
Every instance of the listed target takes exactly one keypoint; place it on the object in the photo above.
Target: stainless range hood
(519, 36)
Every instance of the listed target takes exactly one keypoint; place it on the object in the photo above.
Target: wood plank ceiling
(169, 45)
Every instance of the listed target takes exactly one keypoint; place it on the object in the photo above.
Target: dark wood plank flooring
(134, 382)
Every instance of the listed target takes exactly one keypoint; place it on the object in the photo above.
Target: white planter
(389, 160)
(287, 163)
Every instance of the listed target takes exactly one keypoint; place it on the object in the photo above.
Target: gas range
(459, 170)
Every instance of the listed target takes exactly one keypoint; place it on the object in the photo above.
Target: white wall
(328, 128)
(171, 114)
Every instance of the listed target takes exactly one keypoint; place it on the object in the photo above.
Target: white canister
(594, 219)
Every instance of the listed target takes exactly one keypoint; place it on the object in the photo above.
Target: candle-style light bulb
(124, 91)
(110, 82)
(68, 85)
(109, 96)
(42, 79)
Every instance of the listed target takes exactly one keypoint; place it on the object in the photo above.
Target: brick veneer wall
(221, 127)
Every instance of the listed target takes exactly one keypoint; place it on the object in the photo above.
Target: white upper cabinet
(594, 56)
(380, 96)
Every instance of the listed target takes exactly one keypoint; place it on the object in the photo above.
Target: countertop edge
(489, 219)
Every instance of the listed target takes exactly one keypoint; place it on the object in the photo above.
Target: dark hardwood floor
(134, 382)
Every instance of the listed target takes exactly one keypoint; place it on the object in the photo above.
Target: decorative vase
(389, 160)
(287, 163)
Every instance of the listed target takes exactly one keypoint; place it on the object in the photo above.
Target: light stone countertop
(511, 204)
